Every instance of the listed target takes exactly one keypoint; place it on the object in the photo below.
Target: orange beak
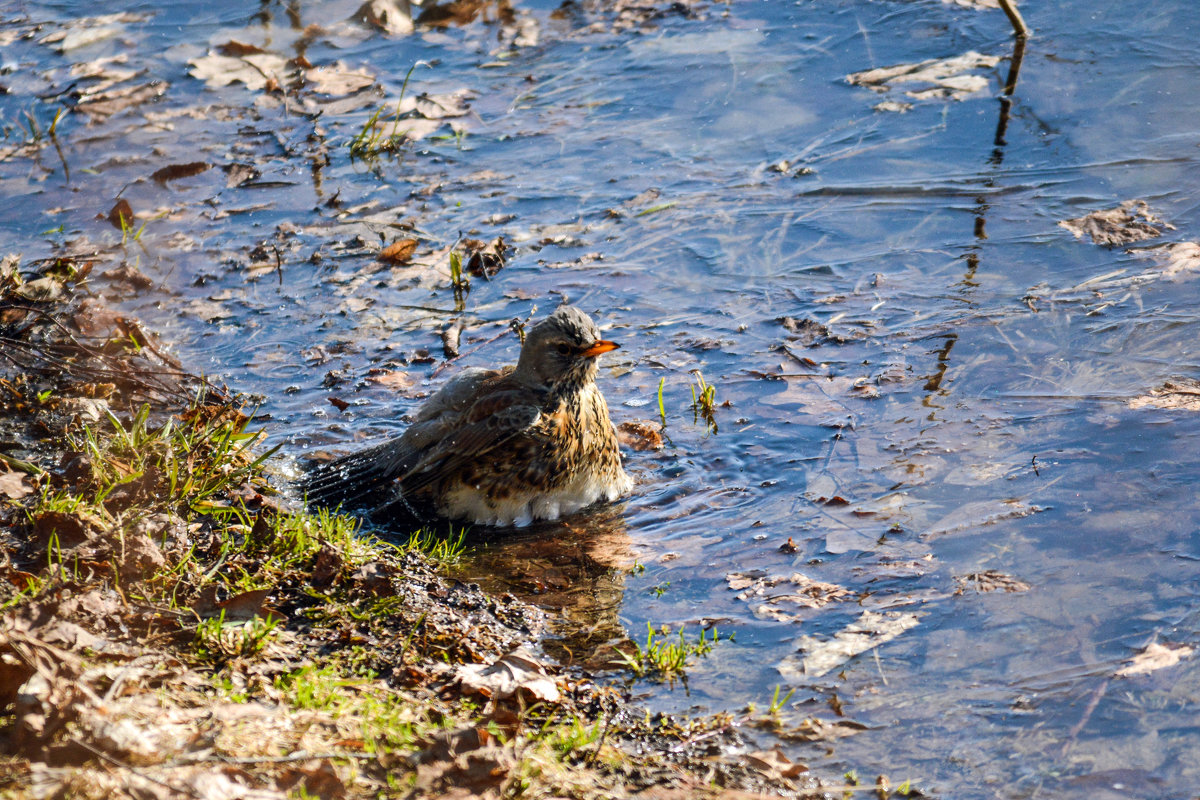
(601, 346)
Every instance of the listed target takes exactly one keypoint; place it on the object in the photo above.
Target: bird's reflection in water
(574, 569)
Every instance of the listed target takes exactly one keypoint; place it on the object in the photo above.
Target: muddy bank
(171, 628)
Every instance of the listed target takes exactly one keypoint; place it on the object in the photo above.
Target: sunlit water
(969, 410)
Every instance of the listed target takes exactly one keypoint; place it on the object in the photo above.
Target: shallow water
(967, 411)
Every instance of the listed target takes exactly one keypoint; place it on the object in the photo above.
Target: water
(968, 410)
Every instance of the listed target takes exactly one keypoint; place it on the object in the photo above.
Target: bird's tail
(355, 479)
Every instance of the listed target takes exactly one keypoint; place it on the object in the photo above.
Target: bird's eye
(564, 349)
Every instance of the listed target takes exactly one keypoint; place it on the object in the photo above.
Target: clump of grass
(219, 640)
(195, 457)
(664, 657)
(443, 551)
(704, 401)
(371, 141)
(662, 408)
(459, 280)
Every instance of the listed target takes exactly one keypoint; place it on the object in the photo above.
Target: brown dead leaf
(640, 435)
(484, 258)
(1153, 657)
(949, 78)
(71, 530)
(243, 606)
(513, 673)
(235, 49)
(173, 172)
(773, 764)
(319, 779)
(814, 729)
(1132, 221)
(1177, 395)
(444, 106)
(104, 72)
(399, 252)
(15, 485)
(120, 216)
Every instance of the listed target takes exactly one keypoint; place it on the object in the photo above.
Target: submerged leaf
(398, 252)
(640, 434)
(867, 632)
(255, 70)
(1132, 221)
(949, 78)
(338, 79)
(1155, 656)
(1178, 259)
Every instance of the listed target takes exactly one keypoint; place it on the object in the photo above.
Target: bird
(499, 447)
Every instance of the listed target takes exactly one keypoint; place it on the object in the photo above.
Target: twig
(1078, 727)
(251, 760)
(183, 790)
(1014, 16)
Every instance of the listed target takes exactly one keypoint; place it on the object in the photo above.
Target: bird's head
(562, 347)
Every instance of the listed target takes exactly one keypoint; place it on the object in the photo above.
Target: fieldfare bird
(499, 447)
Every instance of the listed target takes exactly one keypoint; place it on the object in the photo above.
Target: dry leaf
(989, 580)
(337, 79)
(513, 672)
(41, 290)
(1132, 221)
(173, 172)
(484, 259)
(640, 434)
(105, 104)
(399, 252)
(255, 70)
(867, 632)
(796, 591)
(15, 485)
(774, 764)
(76, 33)
(821, 730)
(390, 16)
(396, 380)
(120, 216)
(1155, 656)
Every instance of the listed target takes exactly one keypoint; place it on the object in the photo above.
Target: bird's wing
(354, 477)
(492, 421)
